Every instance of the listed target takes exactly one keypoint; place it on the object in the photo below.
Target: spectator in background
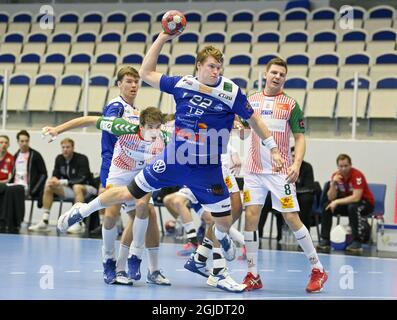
(71, 180)
(27, 180)
(6, 160)
(348, 195)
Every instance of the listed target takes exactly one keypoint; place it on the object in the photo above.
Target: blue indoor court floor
(47, 267)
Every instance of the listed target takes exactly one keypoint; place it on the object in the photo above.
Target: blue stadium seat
(55, 58)
(217, 16)
(141, 17)
(269, 15)
(298, 59)
(269, 37)
(22, 17)
(325, 83)
(45, 79)
(111, 37)
(20, 79)
(14, 37)
(381, 12)
(72, 80)
(295, 83)
(379, 192)
(241, 37)
(7, 58)
(215, 37)
(93, 17)
(62, 37)
(240, 59)
(193, 16)
(325, 36)
(4, 17)
(242, 83)
(296, 14)
(160, 16)
(324, 14)
(363, 83)
(163, 59)
(185, 59)
(388, 58)
(243, 16)
(384, 35)
(69, 17)
(107, 58)
(99, 81)
(355, 35)
(30, 58)
(132, 59)
(327, 59)
(387, 83)
(86, 37)
(296, 37)
(116, 17)
(358, 13)
(136, 37)
(263, 60)
(189, 37)
(359, 58)
(305, 4)
(37, 37)
(80, 58)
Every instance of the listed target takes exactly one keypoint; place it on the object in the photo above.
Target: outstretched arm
(69, 125)
(148, 71)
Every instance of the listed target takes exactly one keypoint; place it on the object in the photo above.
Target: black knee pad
(220, 214)
(136, 192)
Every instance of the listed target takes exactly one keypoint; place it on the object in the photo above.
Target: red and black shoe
(252, 282)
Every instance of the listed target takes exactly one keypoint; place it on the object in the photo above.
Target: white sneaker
(40, 227)
(225, 282)
(77, 228)
(228, 248)
(70, 217)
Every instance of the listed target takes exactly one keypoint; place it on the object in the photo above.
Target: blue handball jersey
(204, 114)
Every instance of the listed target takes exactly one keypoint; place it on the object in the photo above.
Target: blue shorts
(205, 181)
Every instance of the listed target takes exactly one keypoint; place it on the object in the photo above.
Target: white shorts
(257, 186)
(68, 193)
(120, 178)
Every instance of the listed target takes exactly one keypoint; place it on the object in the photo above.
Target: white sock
(306, 243)
(218, 234)
(101, 217)
(109, 237)
(139, 232)
(91, 207)
(252, 246)
(46, 215)
(188, 226)
(204, 250)
(219, 262)
(153, 259)
(122, 258)
(236, 236)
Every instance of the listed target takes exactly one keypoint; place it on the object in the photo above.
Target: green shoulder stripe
(296, 120)
(116, 126)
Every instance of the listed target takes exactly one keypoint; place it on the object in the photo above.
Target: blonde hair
(127, 71)
(277, 61)
(209, 51)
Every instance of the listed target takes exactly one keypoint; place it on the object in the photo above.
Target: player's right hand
(167, 37)
(49, 132)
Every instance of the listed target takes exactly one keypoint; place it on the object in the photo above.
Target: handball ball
(173, 21)
(170, 226)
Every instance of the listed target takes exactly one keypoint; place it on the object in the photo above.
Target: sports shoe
(187, 250)
(122, 278)
(225, 282)
(157, 277)
(134, 264)
(109, 271)
(70, 217)
(197, 267)
(324, 245)
(355, 246)
(40, 227)
(77, 228)
(317, 280)
(243, 254)
(252, 282)
(229, 248)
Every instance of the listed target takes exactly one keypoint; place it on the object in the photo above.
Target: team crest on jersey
(159, 166)
(218, 107)
(227, 87)
(302, 124)
(248, 106)
(359, 181)
(287, 203)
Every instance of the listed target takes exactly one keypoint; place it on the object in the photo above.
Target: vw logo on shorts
(159, 166)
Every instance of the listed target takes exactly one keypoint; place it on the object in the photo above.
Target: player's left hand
(277, 159)
(49, 132)
(293, 173)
